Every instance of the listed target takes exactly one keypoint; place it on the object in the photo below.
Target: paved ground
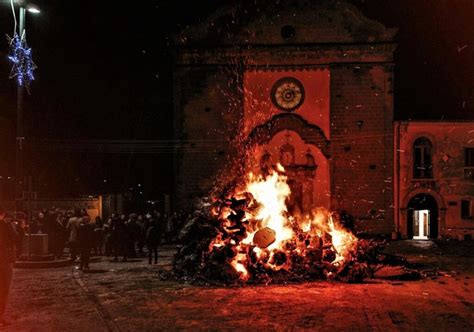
(131, 297)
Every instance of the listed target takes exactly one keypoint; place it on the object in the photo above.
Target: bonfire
(247, 235)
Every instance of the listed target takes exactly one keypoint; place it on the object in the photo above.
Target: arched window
(422, 158)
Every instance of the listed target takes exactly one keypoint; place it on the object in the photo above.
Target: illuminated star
(22, 62)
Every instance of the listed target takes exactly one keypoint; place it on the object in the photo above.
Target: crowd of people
(118, 236)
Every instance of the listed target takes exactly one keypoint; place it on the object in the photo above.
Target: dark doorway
(422, 217)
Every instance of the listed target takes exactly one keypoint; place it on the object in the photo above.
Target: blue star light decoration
(22, 62)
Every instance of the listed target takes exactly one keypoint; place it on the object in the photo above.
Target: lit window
(469, 163)
(467, 209)
(423, 159)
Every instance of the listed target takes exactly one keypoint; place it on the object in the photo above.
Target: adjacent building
(434, 179)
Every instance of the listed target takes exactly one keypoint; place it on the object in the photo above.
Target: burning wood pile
(248, 236)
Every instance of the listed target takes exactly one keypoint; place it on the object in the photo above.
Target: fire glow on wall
(264, 98)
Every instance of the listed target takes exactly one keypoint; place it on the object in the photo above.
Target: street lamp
(33, 9)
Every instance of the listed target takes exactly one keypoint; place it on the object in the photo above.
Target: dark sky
(105, 73)
(434, 72)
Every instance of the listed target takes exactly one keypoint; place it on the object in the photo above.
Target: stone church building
(308, 84)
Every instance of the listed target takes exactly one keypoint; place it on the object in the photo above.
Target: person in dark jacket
(108, 239)
(7, 254)
(85, 241)
(119, 234)
(72, 226)
(131, 231)
(141, 233)
(98, 235)
(61, 235)
(20, 228)
(153, 237)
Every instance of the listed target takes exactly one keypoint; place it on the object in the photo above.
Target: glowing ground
(131, 297)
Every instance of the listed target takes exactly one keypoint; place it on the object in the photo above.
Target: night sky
(105, 73)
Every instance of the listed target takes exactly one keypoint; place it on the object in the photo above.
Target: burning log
(264, 237)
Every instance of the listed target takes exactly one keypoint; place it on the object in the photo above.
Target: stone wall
(362, 144)
(207, 116)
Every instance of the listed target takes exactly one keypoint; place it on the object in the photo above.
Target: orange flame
(271, 192)
(269, 210)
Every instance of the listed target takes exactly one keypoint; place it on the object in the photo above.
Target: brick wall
(207, 116)
(362, 143)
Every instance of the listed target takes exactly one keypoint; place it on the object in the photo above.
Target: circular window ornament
(287, 94)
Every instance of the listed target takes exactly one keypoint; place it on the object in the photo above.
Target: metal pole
(19, 122)
(20, 138)
(29, 217)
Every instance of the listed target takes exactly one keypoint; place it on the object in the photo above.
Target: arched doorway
(422, 217)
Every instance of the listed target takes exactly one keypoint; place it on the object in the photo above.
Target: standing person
(168, 226)
(114, 236)
(85, 241)
(153, 237)
(131, 231)
(98, 235)
(49, 227)
(7, 248)
(72, 227)
(141, 233)
(41, 223)
(120, 238)
(20, 234)
(158, 218)
(61, 235)
(175, 220)
(108, 239)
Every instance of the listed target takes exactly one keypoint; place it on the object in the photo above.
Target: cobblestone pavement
(131, 297)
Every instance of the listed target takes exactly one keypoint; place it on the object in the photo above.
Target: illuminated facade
(309, 86)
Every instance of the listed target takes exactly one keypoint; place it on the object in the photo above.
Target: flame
(342, 241)
(271, 192)
(294, 234)
(238, 265)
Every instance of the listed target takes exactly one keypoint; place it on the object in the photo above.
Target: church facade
(307, 84)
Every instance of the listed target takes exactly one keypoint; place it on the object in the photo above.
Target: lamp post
(19, 122)
(20, 136)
